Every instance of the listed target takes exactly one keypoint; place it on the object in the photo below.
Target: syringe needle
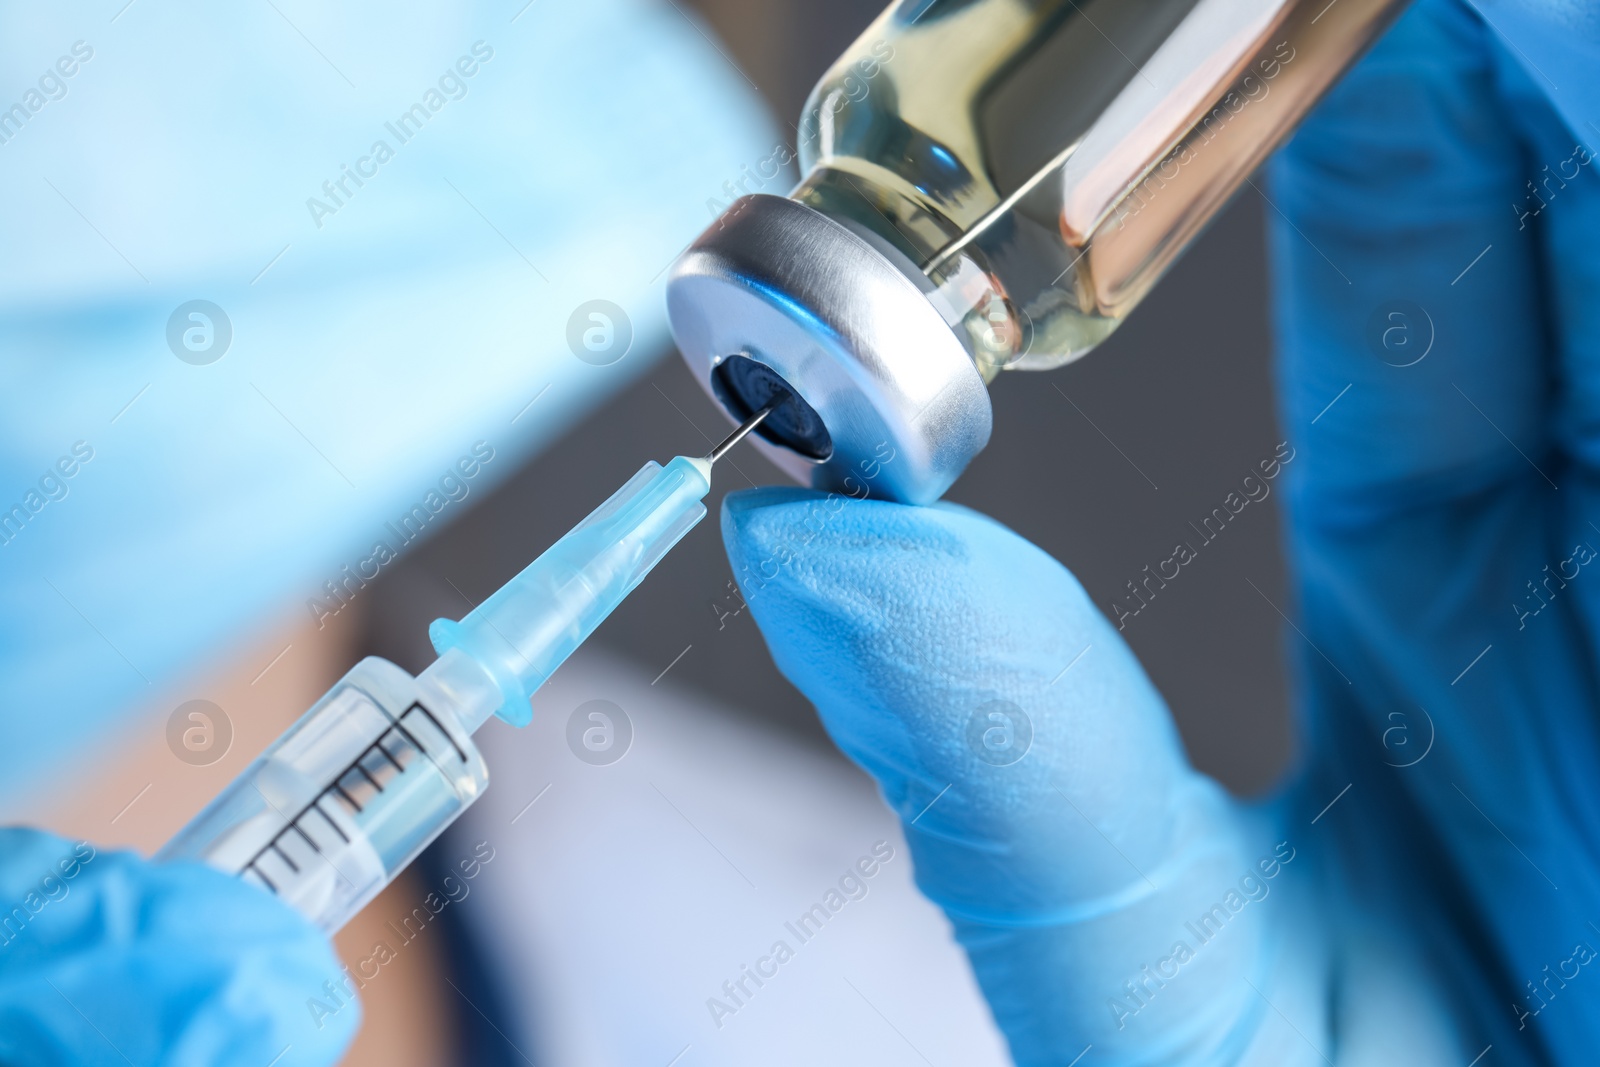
(739, 435)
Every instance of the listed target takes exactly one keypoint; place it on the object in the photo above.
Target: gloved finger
(1558, 212)
(106, 958)
(1041, 786)
(1549, 79)
(1408, 311)
(1434, 553)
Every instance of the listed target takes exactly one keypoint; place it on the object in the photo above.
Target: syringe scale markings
(378, 767)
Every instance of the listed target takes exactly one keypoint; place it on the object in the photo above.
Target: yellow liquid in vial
(1042, 162)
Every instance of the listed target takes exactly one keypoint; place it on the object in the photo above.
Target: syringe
(378, 767)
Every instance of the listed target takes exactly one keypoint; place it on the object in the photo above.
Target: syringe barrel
(345, 799)
(528, 628)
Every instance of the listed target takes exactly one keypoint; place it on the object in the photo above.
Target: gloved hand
(1399, 902)
(108, 959)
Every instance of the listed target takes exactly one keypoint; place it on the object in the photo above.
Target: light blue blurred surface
(367, 356)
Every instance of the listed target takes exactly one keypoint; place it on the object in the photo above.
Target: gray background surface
(1103, 464)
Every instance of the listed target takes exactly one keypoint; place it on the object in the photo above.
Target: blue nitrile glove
(106, 959)
(1399, 903)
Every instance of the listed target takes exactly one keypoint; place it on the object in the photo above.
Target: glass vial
(1030, 168)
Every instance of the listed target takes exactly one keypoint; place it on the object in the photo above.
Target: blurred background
(605, 921)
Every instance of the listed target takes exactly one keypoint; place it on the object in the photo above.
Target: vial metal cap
(776, 296)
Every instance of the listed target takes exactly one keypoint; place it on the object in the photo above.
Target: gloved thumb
(1041, 785)
(106, 958)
